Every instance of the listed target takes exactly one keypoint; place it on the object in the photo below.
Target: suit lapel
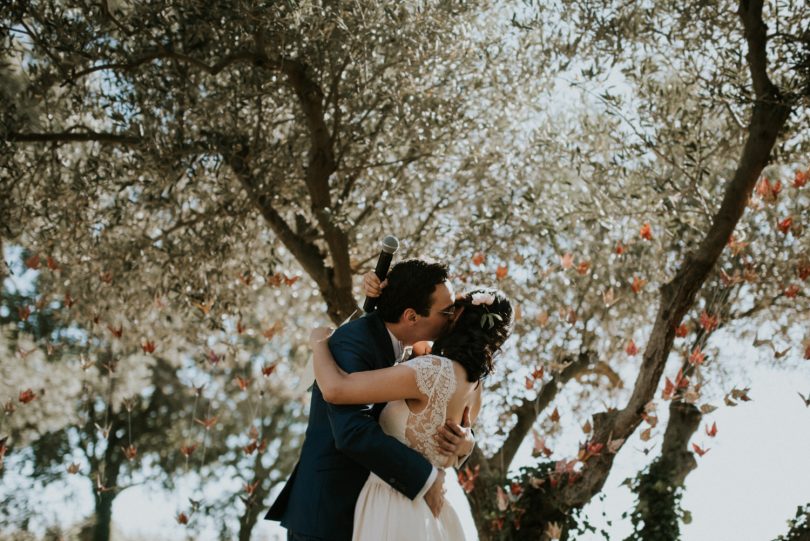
(382, 341)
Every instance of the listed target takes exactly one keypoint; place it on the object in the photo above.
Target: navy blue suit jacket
(343, 443)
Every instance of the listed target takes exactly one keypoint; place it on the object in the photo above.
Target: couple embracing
(383, 428)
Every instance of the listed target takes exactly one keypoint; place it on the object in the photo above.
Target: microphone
(390, 245)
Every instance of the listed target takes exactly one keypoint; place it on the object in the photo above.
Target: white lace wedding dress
(382, 513)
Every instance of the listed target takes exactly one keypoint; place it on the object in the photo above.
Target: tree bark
(659, 486)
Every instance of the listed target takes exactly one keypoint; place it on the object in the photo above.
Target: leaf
(736, 246)
(638, 284)
(713, 432)
(791, 291)
(207, 423)
(272, 330)
(501, 272)
(553, 531)
(478, 259)
(213, 358)
(204, 307)
(615, 445)
(741, 394)
(502, 499)
(566, 261)
(555, 416)
(784, 225)
(609, 298)
(800, 179)
(32, 262)
(707, 408)
(697, 357)
(669, 389)
(131, 452)
(646, 434)
(540, 446)
(27, 396)
(708, 322)
(645, 232)
(187, 449)
(699, 450)
(631, 348)
(542, 318)
(767, 192)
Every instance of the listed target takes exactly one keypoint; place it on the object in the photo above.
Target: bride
(421, 394)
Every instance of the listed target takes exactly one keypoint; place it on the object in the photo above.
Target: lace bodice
(436, 379)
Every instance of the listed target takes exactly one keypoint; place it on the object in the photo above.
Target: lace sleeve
(434, 377)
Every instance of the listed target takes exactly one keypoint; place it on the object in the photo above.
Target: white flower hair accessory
(482, 298)
(485, 299)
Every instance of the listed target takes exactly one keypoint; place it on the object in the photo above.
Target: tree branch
(321, 164)
(258, 58)
(307, 253)
(756, 35)
(74, 137)
(528, 411)
(677, 296)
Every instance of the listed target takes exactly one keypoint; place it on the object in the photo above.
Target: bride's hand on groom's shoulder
(319, 335)
(372, 285)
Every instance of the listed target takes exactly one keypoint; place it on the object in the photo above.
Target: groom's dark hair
(410, 285)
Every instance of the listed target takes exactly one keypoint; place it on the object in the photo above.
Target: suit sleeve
(359, 436)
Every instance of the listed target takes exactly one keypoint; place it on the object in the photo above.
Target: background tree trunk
(659, 487)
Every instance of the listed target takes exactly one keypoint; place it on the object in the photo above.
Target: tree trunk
(103, 513)
(656, 517)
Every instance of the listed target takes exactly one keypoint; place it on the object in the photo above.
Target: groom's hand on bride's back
(372, 285)
(456, 439)
(435, 495)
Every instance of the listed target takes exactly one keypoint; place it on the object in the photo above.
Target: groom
(344, 443)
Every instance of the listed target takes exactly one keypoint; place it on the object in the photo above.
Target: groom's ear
(409, 316)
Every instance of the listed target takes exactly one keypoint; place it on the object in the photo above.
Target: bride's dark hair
(478, 333)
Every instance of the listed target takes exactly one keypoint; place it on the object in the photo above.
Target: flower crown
(485, 299)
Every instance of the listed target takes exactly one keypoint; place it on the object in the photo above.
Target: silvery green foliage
(523, 132)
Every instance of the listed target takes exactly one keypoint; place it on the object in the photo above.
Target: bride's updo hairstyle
(479, 332)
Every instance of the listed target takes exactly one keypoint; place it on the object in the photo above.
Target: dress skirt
(383, 514)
